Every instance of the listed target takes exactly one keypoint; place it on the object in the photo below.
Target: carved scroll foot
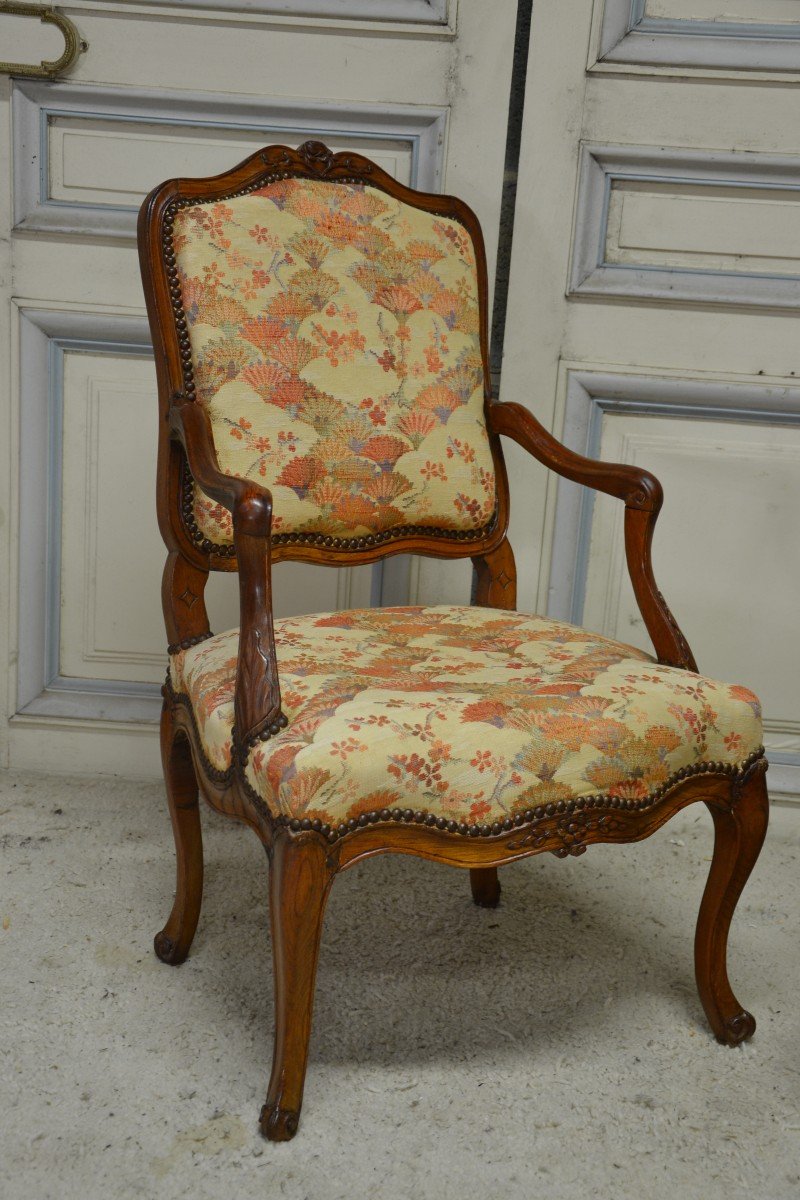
(739, 1028)
(485, 886)
(278, 1124)
(168, 951)
(739, 832)
(172, 944)
(299, 882)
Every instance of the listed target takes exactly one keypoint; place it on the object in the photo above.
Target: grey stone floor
(552, 1048)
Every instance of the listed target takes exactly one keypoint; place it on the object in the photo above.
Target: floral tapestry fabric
(472, 714)
(335, 335)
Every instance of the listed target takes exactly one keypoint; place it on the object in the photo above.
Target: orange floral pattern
(469, 713)
(335, 336)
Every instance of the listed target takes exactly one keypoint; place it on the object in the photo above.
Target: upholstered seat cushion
(468, 713)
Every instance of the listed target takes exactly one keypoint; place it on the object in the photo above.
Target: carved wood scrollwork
(495, 583)
(258, 678)
(745, 777)
(572, 831)
(317, 158)
(685, 652)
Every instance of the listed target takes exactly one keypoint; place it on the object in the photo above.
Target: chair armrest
(643, 496)
(257, 698)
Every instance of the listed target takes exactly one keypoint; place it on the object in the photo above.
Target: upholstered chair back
(336, 345)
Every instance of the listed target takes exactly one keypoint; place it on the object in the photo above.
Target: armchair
(320, 335)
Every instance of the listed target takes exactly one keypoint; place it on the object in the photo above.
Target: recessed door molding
(46, 335)
(421, 18)
(418, 133)
(630, 39)
(675, 172)
(592, 394)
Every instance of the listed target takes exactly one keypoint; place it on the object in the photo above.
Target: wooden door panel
(653, 286)
(421, 86)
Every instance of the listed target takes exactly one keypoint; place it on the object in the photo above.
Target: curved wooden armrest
(257, 699)
(638, 488)
(643, 496)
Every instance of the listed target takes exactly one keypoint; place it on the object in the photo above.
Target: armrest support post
(670, 645)
(257, 700)
(643, 498)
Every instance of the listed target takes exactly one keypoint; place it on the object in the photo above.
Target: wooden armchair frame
(305, 855)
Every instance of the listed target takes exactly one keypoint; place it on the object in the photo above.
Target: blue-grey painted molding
(628, 37)
(590, 394)
(35, 105)
(603, 166)
(45, 336)
(391, 12)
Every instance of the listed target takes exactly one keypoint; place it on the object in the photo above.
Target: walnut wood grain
(670, 645)
(172, 943)
(300, 877)
(485, 886)
(495, 586)
(183, 588)
(637, 487)
(496, 578)
(740, 827)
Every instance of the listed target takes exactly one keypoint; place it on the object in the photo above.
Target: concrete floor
(552, 1048)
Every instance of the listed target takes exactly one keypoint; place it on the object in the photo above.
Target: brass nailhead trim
(408, 816)
(187, 643)
(214, 773)
(324, 540)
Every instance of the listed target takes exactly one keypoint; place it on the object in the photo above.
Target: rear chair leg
(485, 886)
(739, 832)
(299, 882)
(173, 942)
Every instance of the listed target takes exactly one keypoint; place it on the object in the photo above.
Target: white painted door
(655, 293)
(164, 89)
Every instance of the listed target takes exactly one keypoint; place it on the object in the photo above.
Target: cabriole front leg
(739, 831)
(172, 944)
(300, 880)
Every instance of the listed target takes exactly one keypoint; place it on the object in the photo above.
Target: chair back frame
(192, 555)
